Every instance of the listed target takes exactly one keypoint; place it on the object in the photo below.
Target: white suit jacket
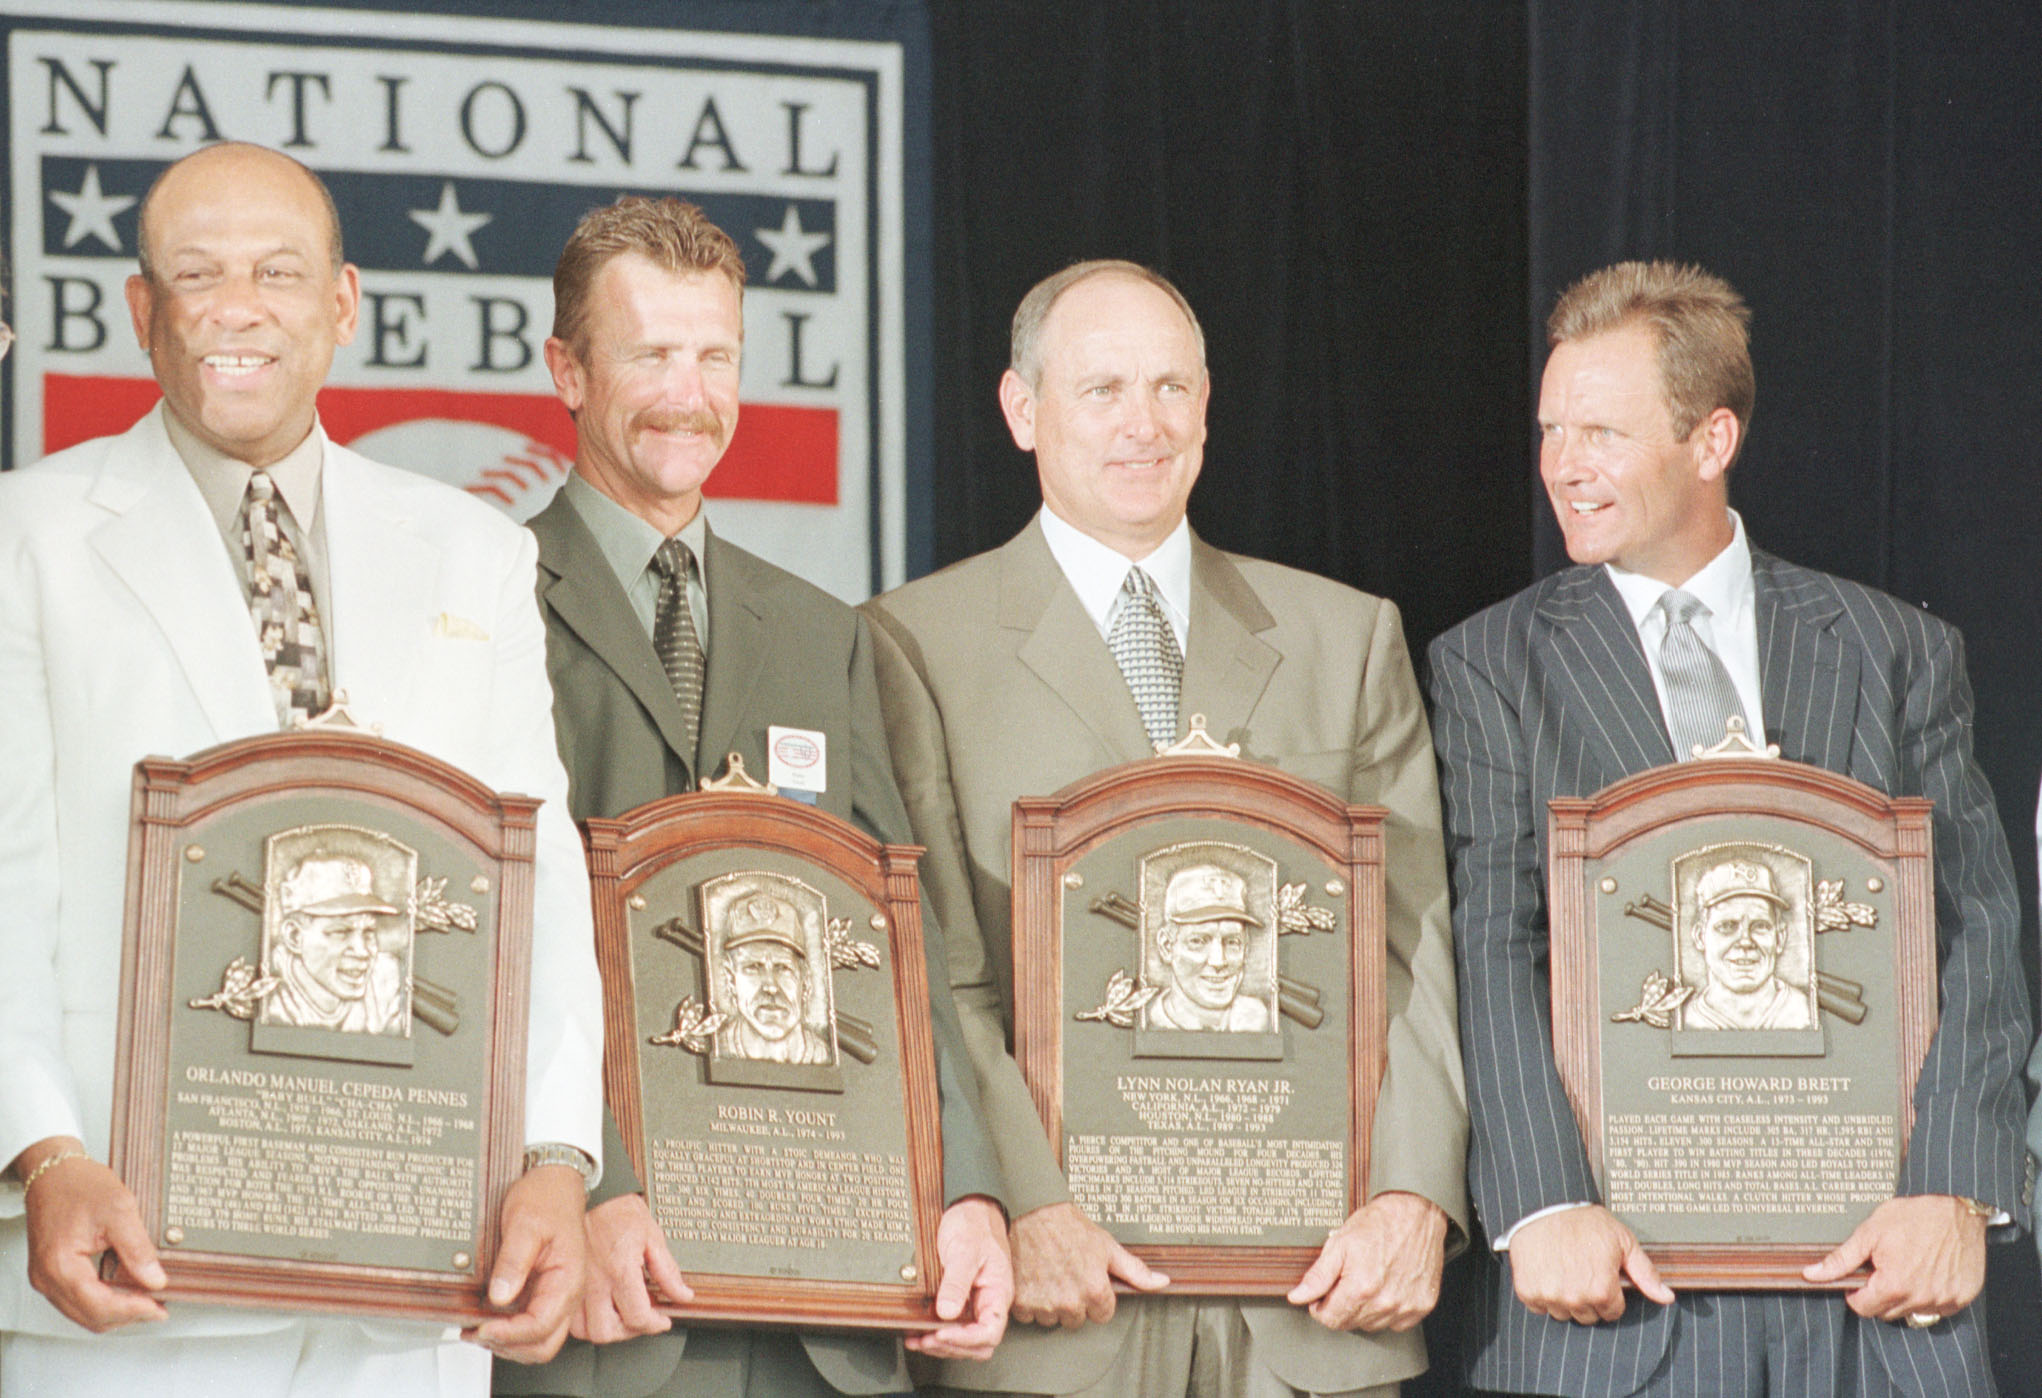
(124, 633)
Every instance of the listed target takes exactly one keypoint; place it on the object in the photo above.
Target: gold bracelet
(1976, 1208)
(50, 1162)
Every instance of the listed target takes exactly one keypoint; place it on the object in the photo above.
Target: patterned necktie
(280, 602)
(1699, 694)
(674, 637)
(1145, 648)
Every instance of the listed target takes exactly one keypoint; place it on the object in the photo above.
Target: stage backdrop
(460, 151)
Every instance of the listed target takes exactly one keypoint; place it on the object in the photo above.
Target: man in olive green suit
(1000, 679)
(659, 670)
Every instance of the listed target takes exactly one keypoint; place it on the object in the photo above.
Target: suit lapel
(1064, 649)
(1227, 665)
(1598, 670)
(1808, 678)
(163, 544)
(382, 567)
(577, 586)
(739, 638)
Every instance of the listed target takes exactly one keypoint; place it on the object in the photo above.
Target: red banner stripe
(780, 452)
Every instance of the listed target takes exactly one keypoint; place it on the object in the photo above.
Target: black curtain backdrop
(1866, 176)
(1339, 191)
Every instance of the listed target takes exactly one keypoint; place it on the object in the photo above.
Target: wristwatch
(560, 1153)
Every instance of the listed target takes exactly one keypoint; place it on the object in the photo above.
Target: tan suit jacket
(997, 685)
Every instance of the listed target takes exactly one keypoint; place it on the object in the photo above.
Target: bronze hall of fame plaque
(768, 1056)
(1198, 952)
(1743, 994)
(320, 1092)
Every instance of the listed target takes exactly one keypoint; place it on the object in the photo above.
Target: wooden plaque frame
(1054, 834)
(354, 779)
(1759, 798)
(628, 852)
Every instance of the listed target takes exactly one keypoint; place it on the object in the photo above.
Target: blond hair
(1702, 326)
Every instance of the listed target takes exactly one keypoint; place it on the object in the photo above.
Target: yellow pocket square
(458, 627)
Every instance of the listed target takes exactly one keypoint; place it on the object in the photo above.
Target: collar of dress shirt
(1096, 572)
(628, 544)
(1723, 585)
(223, 481)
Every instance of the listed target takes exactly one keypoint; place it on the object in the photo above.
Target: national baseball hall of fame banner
(460, 151)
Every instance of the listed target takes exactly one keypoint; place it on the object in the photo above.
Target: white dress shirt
(1096, 572)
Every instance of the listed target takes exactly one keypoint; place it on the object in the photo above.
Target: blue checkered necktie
(674, 637)
(1699, 695)
(281, 604)
(1145, 648)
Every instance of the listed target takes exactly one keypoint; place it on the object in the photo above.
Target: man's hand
(1570, 1266)
(624, 1245)
(1380, 1269)
(538, 1266)
(1064, 1266)
(1927, 1253)
(978, 1282)
(77, 1210)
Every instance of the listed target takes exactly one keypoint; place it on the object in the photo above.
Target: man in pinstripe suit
(1561, 690)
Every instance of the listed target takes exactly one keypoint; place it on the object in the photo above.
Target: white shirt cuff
(1502, 1244)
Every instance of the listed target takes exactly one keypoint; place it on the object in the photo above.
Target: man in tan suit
(999, 680)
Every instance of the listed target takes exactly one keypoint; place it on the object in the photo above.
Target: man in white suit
(126, 630)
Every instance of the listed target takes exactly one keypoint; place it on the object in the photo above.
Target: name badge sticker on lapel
(797, 759)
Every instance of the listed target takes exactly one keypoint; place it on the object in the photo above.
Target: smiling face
(1625, 488)
(654, 386)
(1117, 422)
(242, 307)
(1740, 942)
(765, 978)
(338, 951)
(1206, 960)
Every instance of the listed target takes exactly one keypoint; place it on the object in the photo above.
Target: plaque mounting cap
(1196, 742)
(339, 715)
(1736, 743)
(736, 778)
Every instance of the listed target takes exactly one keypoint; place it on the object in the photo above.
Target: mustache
(682, 420)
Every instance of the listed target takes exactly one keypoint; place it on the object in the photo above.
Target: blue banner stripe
(528, 221)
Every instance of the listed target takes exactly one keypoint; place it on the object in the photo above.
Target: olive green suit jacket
(780, 652)
(997, 685)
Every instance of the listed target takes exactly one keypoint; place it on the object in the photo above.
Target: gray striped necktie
(281, 605)
(674, 637)
(1699, 694)
(1145, 648)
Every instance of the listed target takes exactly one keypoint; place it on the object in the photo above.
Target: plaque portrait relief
(1208, 980)
(767, 1016)
(1198, 955)
(1755, 946)
(763, 986)
(340, 953)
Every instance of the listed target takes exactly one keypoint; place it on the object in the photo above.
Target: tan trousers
(1186, 1347)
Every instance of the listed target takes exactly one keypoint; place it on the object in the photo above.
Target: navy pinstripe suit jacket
(1547, 694)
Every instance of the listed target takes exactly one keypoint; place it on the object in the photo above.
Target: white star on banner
(793, 250)
(92, 211)
(449, 228)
